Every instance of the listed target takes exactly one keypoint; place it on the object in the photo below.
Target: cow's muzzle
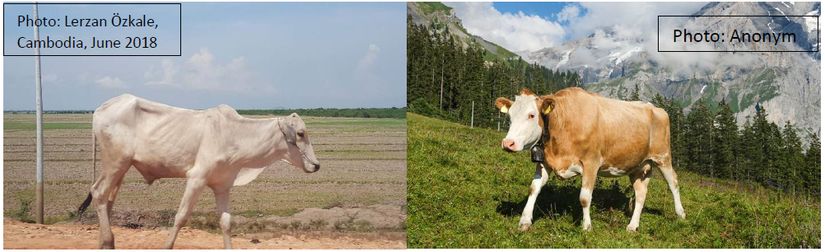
(508, 145)
(316, 167)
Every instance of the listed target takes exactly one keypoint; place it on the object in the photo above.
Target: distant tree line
(448, 80)
(321, 112)
(49, 111)
(333, 112)
(708, 141)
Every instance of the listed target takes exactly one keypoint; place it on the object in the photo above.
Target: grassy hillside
(430, 7)
(463, 191)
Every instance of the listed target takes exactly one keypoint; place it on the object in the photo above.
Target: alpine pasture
(464, 191)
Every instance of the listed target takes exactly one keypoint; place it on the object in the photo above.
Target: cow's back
(618, 133)
(148, 134)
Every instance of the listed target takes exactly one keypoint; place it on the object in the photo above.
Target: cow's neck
(545, 129)
(259, 143)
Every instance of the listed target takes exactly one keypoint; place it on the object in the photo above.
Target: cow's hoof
(107, 246)
(587, 227)
(524, 227)
(681, 214)
(632, 228)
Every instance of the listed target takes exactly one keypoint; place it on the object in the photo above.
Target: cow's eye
(530, 116)
(301, 134)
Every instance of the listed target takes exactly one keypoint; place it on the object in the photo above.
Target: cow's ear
(547, 104)
(503, 104)
(288, 130)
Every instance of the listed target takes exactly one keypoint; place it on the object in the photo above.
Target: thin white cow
(215, 148)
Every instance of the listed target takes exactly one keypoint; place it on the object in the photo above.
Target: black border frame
(658, 29)
(180, 31)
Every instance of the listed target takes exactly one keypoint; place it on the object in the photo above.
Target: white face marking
(524, 125)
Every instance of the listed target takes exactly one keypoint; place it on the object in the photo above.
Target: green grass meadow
(465, 192)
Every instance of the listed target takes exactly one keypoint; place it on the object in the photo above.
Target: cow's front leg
(586, 194)
(194, 187)
(222, 207)
(539, 180)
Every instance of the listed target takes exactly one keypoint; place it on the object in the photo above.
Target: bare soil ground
(19, 235)
(361, 187)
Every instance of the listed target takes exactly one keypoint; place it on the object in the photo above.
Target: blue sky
(546, 10)
(246, 55)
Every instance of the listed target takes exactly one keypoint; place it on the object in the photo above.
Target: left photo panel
(204, 126)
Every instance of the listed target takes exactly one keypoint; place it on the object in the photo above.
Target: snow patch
(703, 89)
(783, 13)
(622, 56)
(564, 59)
(810, 22)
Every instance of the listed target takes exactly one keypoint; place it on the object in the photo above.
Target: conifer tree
(812, 166)
(793, 159)
(725, 134)
(700, 144)
(634, 96)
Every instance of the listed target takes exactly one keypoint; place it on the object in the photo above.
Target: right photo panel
(613, 125)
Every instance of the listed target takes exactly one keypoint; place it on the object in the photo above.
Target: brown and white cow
(591, 135)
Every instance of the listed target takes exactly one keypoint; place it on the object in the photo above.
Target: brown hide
(598, 133)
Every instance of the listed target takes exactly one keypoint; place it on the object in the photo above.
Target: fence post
(472, 114)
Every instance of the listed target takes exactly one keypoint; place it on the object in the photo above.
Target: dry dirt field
(357, 199)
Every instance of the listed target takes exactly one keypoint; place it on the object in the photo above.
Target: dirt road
(19, 235)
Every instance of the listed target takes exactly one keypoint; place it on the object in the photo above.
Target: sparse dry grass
(363, 163)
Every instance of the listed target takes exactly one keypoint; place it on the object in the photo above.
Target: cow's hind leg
(113, 172)
(194, 187)
(539, 180)
(639, 180)
(113, 195)
(222, 207)
(670, 175)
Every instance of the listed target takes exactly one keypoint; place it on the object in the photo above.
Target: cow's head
(300, 153)
(525, 119)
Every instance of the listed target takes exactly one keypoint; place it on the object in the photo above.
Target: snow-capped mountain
(787, 84)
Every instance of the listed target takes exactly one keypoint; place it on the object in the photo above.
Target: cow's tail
(83, 206)
(88, 200)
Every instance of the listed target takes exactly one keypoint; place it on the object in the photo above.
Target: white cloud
(110, 83)
(516, 32)
(569, 13)
(369, 58)
(366, 75)
(202, 71)
(631, 19)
